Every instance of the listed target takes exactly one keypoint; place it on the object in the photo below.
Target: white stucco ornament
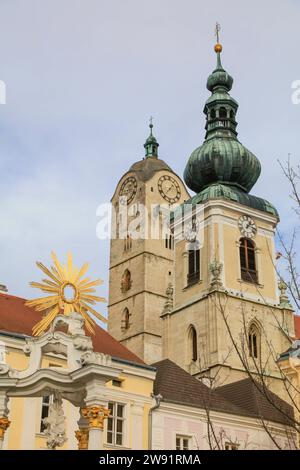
(55, 431)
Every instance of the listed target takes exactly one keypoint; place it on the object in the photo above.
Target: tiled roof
(178, 386)
(257, 401)
(15, 317)
(241, 398)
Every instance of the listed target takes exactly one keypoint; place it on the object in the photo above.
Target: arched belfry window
(254, 341)
(192, 344)
(247, 260)
(193, 264)
(169, 241)
(223, 113)
(213, 114)
(128, 243)
(125, 324)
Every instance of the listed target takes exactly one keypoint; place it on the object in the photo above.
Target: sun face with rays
(68, 292)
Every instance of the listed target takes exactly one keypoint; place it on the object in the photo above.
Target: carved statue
(55, 423)
(216, 269)
(169, 300)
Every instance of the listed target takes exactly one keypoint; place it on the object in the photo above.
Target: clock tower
(226, 314)
(142, 252)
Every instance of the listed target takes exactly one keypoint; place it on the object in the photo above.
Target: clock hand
(171, 187)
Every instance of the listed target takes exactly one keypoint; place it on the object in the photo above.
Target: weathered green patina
(222, 191)
(224, 160)
(151, 145)
(222, 167)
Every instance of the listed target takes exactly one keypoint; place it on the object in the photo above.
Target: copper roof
(15, 317)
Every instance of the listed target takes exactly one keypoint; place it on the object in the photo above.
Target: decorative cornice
(242, 297)
(237, 207)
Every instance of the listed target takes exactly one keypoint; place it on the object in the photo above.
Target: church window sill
(192, 284)
(257, 284)
(112, 446)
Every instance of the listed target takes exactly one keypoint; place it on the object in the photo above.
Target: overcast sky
(83, 77)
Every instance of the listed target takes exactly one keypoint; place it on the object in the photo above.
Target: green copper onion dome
(222, 158)
(219, 77)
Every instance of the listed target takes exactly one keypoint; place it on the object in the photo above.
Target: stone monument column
(82, 434)
(95, 415)
(95, 411)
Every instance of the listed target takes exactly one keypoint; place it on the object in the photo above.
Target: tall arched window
(194, 265)
(254, 341)
(192, 344)
(169, 242)
(125, 324)
(127, 243)
(247, 259)
(213, 114)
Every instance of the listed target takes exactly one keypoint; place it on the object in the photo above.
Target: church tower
(226, 310)
(142, 252)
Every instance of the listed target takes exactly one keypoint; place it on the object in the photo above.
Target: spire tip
(218, 47)
(151, 124)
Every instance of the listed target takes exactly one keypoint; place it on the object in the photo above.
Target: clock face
(128, 189)
(247, 226)
(169, 189)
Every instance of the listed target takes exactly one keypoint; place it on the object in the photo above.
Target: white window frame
(182, 438)
(47, 405)
(114, 417)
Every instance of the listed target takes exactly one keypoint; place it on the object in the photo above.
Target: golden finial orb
(218, 47)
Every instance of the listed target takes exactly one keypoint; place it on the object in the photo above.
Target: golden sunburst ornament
(69, 292)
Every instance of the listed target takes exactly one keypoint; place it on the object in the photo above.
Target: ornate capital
(4, 425)
(95, 415)
(82, 436)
